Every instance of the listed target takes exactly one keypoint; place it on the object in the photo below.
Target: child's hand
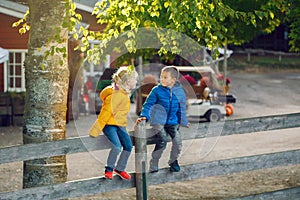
(188, 125)
(138, 120)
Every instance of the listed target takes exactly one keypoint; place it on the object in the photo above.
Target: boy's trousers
(162, 134)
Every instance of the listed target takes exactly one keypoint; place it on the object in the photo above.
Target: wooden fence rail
(280, 54)
(196, 131)
(188, 172)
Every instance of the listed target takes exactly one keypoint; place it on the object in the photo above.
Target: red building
(13, 49)
(12, 76)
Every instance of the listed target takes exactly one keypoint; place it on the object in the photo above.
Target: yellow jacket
(115, 107)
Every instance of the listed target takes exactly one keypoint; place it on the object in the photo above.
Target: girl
(112, 120)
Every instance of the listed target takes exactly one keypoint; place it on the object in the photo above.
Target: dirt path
(220, 187)
(257, 95)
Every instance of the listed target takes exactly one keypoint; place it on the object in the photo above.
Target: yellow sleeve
(95, 130)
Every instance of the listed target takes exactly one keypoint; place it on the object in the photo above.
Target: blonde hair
(122, 75)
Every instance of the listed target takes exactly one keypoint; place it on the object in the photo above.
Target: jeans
(162, 133)
(119, 138)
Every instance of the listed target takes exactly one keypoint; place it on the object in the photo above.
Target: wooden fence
(11, 108)
(250, 52)
(141, 179)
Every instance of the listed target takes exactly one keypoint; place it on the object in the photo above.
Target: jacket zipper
(169, 104)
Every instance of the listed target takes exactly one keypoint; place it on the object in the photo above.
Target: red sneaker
(108, 175)
(124, 175)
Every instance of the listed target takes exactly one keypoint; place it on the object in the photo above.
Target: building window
(15, 71)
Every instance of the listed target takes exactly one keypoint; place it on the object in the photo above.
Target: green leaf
(271, 14)
(85, 32)
(83, 48)
(84, 41)
(75, 36)
(78, 16)
(167, 4)
(73, 6)
(96, 10)
(260, 14)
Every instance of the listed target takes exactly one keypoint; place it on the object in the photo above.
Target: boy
(165, 107)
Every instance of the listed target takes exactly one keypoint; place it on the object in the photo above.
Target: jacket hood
(106, 92)
(177, 85)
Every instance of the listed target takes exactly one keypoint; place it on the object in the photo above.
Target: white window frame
(7, 75)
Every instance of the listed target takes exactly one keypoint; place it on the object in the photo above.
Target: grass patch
(262, 63)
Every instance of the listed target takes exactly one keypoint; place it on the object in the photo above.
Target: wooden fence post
(140, 140)
(248, 56)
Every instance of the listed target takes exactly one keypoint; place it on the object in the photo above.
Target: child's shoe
(174, 166)
(108, 175)
(124, 175)
(153, 166)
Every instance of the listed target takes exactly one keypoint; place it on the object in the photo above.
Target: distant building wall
(11, 40)
(10, 37)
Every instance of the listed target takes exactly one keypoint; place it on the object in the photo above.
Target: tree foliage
(294, 21)
(69, 21)
(258, 17)
(211, 23)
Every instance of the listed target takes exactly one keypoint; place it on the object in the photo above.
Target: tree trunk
(46, 91)
(75, 61)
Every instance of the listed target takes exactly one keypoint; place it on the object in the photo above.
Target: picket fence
(141, 179)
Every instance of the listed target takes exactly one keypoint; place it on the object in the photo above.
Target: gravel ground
(258, 94)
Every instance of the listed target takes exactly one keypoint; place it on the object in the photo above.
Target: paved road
(266, 94)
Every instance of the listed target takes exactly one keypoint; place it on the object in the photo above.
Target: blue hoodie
(165, 106)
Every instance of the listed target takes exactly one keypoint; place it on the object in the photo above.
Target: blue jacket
(165, 106)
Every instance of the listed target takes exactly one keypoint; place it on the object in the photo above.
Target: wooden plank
(228, 166)
(48, 149)
(5, 99)
(288, 193)
(188, 172)
(5, 110)
(18, 109)
(241, 126)
(70, 189)
(17, 120)
(5, 120)
(196, 131)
